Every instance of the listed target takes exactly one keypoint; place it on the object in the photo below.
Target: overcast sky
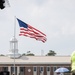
(55, 18)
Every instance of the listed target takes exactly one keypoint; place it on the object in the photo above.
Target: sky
(55, 18)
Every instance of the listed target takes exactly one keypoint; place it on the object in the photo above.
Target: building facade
(34, 65)
(31, 65)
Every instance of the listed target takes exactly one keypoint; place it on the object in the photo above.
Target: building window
(22, 69)
(54, 68)
(48, 68)
(5, 68)
(34, 68)
(41, 69)
(12, 70)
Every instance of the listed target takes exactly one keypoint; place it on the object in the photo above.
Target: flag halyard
(29, 31)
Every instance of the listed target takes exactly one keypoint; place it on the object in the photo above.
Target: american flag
(29, 31)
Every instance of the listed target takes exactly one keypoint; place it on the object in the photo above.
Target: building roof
(36, 60)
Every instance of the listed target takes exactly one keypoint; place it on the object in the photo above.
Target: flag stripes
(29, 31)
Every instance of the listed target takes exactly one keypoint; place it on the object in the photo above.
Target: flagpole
(14, 26)
(14, 42)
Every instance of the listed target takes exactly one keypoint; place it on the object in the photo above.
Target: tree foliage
(51, 53)
(2, 55)
(23, 54)
(28, 54)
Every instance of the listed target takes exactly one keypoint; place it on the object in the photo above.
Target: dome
(13, 39)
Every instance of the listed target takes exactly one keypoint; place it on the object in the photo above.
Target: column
(9, 69)
(18, 71)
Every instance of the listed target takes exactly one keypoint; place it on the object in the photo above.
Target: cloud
(56, 18)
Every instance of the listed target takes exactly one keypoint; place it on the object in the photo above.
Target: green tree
(29, 53)
(51, 53)
(2, 55)
(23, 54)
